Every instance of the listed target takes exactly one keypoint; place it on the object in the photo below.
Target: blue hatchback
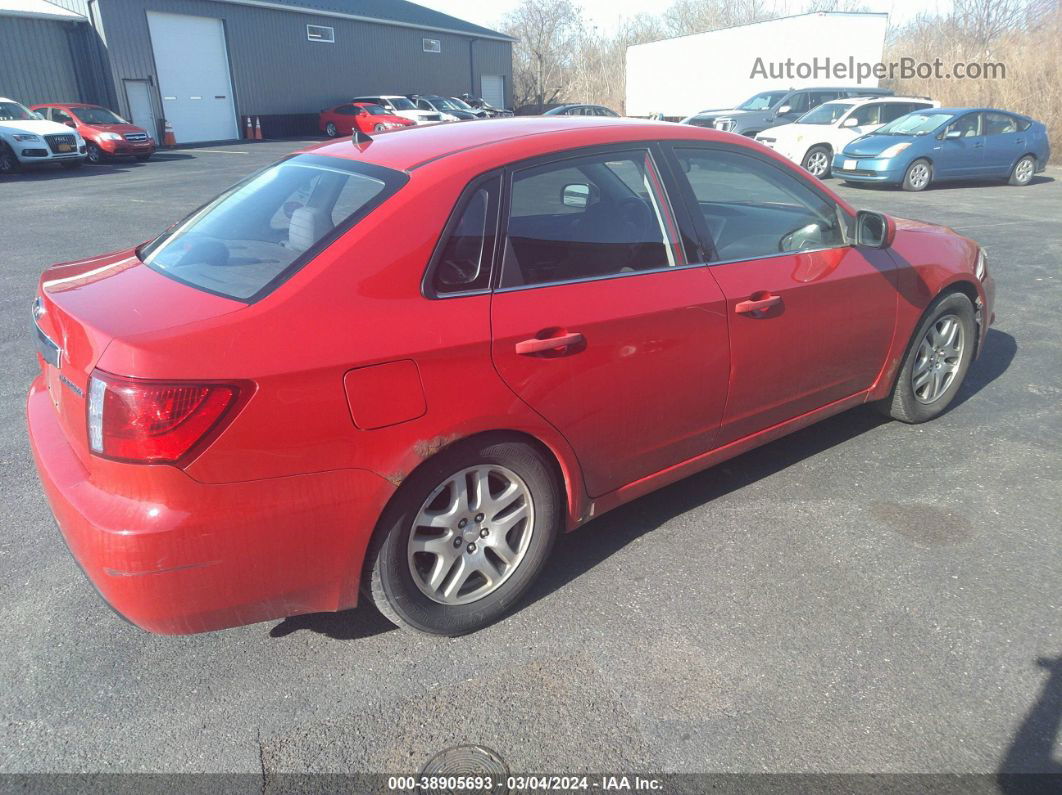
(941, 144)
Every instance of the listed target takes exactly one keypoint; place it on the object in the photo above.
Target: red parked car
(402, 367)
(106, 133)
(366, 117)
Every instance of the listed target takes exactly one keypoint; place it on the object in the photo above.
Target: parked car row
(380, 112)
(66, 133)
(867, 135)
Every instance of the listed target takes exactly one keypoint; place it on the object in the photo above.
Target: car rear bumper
(176, 556)
(867, 169)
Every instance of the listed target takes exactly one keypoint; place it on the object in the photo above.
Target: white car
(402, 106)
(27, 138)
(813, 138)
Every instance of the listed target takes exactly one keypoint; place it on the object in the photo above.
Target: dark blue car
(941, 144)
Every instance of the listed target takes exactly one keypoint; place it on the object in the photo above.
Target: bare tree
(548, 34)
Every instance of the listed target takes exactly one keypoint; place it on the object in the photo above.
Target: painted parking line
(221, 151)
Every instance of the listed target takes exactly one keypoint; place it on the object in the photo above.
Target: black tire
(1023, 171)
(69, 165)
(9, 164)
(903, 404)
(330, 130)
(918, 176)
(812, 161)
(94, 154)
(388, 579)
(143, 158)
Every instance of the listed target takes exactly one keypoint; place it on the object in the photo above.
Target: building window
(432, 45)
(321, 33)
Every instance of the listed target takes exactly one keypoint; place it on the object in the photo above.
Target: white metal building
(678, 77)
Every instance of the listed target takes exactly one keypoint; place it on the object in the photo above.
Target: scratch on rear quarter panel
(426, 448)
(117, 573)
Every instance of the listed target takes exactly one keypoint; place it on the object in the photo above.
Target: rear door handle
(757, 305)
(559, 344)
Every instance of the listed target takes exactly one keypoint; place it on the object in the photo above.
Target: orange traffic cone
(257, 128)
(168, 138)
(248, 131)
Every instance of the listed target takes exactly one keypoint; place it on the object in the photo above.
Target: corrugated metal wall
(276, 70)
(36, 64)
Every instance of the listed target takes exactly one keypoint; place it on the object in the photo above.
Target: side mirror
(874, 230)
(851, 121)
(577, 195)
(784, 110)
(952, 135)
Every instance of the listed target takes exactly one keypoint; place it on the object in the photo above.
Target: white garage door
(493, 88)
(193, 69)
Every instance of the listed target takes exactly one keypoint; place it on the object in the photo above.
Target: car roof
(856, 101)
(493, 141)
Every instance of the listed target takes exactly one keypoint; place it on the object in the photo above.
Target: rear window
(252, 237)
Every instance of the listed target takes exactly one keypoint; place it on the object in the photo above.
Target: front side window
(61, 116)
(589, 217)
(254, 235)
(753, 209)
(968, 126)
(401, 103)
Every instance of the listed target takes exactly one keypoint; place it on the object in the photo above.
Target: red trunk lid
(83, 307)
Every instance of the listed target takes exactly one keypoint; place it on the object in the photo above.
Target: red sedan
(402, 367)
(106, 134)
(363, 116)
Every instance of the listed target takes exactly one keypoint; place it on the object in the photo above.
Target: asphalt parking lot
(862, 596)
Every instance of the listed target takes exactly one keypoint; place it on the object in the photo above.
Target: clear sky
(606, 13)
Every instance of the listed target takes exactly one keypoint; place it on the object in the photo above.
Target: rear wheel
(465, 536)
(936, 361)
(330, 130)
(919, 175)
(817, 161)
(1023, 171)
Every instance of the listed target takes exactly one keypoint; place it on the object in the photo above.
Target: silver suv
(770, 108)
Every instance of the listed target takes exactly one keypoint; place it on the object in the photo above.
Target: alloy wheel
(817, 163)
(938, 359)
(470, 534)
(919, 176)
(330, 130)
(1024, 170)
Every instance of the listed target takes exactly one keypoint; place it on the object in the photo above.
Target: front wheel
(95, 154)
(330, 130)
(465, 536)
(1023, 171)
(379, 128)
(817, 161)
(918, 176)
(936, 361)
(8, 162)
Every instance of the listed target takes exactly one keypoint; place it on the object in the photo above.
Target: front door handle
(757, 304)
(559, 344)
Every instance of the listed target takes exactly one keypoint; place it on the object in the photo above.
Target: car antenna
(360, 139)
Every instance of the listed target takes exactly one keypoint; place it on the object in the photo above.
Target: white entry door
(193, 68)
(141, 113)
(493, 88)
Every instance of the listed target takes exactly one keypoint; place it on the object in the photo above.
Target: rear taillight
(154, 422)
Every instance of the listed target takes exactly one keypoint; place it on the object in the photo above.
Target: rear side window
(462, 264)
(585, 218)
(253, 236)
(999, 124)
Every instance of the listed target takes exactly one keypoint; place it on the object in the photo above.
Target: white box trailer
(721, 68)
